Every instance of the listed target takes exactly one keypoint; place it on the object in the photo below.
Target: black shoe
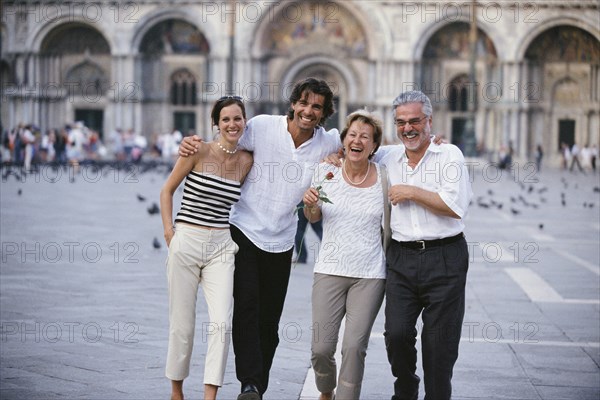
(249, 392)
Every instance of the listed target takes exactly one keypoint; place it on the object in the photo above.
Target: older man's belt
(425, 244)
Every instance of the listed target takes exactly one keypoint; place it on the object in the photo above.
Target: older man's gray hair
(414, 96)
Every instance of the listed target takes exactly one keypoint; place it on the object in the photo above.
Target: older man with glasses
(427, 259)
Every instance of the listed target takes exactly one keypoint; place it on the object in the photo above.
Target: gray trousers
(334, 297)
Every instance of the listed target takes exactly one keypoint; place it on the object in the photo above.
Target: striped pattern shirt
(207, 200)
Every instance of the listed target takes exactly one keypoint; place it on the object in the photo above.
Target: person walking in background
(427, 260)
(539, 155)
(299, 245)
(201, 251)
(75, 145)
(593, 156)
(62, 139)
(115, 144)
(169, 143)
(28, 141)
(505, 156)
(263, 224)
(585, 157)
(575, 154)
(349, 273)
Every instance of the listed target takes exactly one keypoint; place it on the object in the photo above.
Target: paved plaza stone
(83, 297)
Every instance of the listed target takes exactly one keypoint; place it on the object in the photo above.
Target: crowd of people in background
(584, 158)
(26, 145)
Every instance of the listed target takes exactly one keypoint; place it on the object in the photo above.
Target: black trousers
(431, 282)
(259, 288)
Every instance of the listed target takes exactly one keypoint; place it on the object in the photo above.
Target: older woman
(201, 250)
(349, 274)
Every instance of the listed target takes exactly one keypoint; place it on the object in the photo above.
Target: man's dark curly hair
(317, 87)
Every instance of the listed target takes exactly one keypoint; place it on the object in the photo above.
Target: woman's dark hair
(315, 86)
(224, 102)
(368, 118)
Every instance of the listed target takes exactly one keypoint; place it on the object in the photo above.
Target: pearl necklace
(350, 180)
(225, 150)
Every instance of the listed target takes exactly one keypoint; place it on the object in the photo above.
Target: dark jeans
(259, 288)
(430, 281)
(299, 244)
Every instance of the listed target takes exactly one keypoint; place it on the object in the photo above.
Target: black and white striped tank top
(207, 200)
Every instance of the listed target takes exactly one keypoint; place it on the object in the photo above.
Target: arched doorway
(458, 107)
(173, 64)
(77, 58)
(444, 77)
(312, 38)
(184, 95)
(563, 65)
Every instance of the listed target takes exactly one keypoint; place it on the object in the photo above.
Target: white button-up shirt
(441, 170)
(276, 182)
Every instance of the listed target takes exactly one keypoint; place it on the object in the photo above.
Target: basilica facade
(155, 66)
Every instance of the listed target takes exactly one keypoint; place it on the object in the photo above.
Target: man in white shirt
(427, 260)
(575, 154)
(28, 140)
(286, 150)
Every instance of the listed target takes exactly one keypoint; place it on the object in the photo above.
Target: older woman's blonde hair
(368, 118)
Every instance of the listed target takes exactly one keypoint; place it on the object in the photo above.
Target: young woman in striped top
(201, 251)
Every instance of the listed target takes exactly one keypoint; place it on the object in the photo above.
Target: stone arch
(174, 36)
(46, 32)
(68, 50)
(541, 28)
(435, 29)
(564, 43)
(446, 54)
(85, 77)
(443, 55)
(151, 22)
(332, 26)
(562, 60)
(452, 41)
(184, 86)
(458, 93)
(74, 39)
(348, 80)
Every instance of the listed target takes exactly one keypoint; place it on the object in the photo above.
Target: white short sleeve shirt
(280, 175)
(441, 170)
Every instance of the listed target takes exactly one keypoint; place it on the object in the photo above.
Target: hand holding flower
(313, 195)
(311, 198)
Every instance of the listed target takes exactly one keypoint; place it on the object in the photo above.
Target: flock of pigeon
(528, 196)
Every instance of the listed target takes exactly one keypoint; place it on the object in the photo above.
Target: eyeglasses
(412, 122)
(238, 98)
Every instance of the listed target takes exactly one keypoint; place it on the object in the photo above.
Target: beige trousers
(359, 300)
(203, 257)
